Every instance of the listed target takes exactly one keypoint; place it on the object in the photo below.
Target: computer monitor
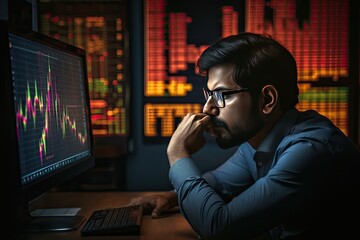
(46, 119)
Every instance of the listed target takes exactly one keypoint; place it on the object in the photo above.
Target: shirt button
(259, 164)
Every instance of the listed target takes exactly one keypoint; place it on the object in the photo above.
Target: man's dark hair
(259, 60)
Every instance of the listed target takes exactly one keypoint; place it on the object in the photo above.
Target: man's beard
(254, 124)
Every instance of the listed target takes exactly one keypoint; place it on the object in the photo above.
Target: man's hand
(188, 137)
(156, 204)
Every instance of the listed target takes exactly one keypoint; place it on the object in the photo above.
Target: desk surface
(172, 226)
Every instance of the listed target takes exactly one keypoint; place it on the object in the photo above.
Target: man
(294, 174)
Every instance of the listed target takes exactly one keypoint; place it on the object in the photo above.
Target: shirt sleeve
(262, 206)
(234, 175)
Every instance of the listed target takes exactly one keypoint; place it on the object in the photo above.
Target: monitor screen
(48, 124)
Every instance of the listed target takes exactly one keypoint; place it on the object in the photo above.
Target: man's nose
(210, 108)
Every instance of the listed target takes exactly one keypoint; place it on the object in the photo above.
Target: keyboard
(125, 220)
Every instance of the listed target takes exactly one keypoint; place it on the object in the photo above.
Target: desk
(172, 226)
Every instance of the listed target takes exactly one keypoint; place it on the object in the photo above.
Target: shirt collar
(269, 145)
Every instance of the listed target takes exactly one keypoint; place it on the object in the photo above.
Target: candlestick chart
(50, 109)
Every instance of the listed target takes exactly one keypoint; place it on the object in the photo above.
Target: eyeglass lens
(217, 97)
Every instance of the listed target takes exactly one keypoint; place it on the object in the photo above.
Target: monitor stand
(52, 223)
(48, 220)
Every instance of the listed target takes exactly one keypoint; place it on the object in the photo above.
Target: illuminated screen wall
(177, 31)
(99, 28)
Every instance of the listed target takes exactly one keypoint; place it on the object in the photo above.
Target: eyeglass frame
(216, 93)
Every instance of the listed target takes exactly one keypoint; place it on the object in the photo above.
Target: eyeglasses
(218, 96)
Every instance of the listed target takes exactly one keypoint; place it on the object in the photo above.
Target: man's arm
(186, 140)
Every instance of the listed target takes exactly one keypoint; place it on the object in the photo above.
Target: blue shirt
(303, 170)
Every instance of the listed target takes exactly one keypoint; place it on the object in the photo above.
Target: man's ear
(270, 98)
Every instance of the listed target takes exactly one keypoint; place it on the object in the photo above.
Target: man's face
(239, 120)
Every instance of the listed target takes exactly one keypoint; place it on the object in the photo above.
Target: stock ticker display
(177, 31)
(100, 29)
